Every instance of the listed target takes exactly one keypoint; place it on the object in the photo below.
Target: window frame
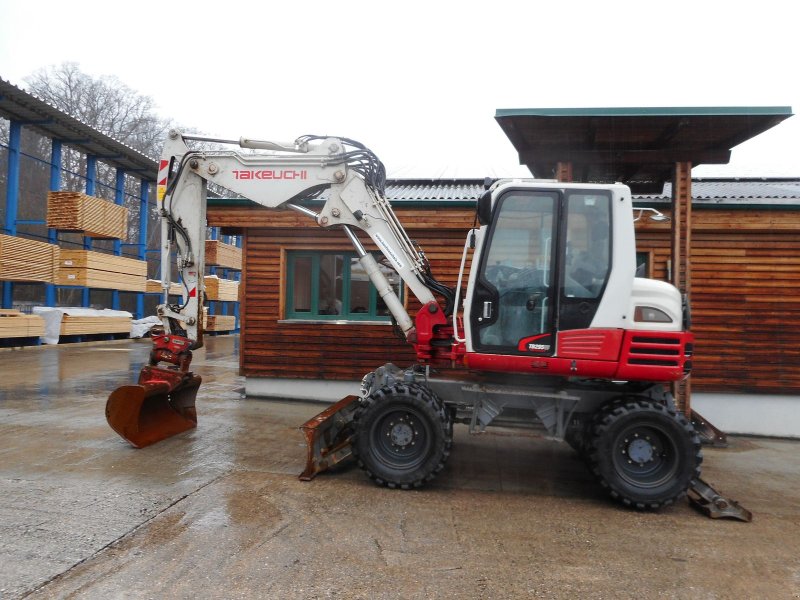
(290, 315)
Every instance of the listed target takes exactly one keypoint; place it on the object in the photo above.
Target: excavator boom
(274, 175)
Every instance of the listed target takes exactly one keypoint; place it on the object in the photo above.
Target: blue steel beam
(52, 234)
(143, 200)
(91, 182)
(12, 197)
(239, 279)
(119, 197)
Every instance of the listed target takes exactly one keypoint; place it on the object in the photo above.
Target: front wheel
(403, 435)
(644, 453)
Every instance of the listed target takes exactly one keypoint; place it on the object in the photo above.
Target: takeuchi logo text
(271, 174)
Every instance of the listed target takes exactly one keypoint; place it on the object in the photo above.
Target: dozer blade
(148, 413)
(328, 437)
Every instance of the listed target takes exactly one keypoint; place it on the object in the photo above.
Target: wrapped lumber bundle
(220, 323)
(14, 324)
(153, 286)
(225, 290)
(99, 270)
(94, 217)
(27, 260)
(223, 255)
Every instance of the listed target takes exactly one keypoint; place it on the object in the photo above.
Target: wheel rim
(401, 439)
(645, 456)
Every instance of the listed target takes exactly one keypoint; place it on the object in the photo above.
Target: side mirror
(485, 208)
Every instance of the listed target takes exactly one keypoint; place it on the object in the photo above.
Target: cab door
(513, 302)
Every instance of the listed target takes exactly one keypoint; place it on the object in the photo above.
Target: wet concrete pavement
(218, 512)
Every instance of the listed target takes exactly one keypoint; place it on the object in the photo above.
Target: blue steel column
(241, 291)
(212, 306)
(119, 196)
(12, 197)
(142, 247)
(91, 176)
(52, 234)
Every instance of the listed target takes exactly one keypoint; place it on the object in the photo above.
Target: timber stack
(27, 260)
(153, 286)
(222, 290)
(227, 256)
(14, 324)
(94, 217)
(94, 325)
(104, 271)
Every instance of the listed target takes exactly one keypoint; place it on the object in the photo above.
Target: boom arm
(280, 178)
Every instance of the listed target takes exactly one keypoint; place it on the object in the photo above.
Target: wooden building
(745, 262)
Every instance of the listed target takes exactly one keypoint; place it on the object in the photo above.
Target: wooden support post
(564, 171)
(681, 255)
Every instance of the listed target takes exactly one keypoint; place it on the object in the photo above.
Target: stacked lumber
(95, 217)
(224, 290)
(98, 270)
(14, 324)
(220, 323)
(94, 324)
(153, 286)
(223, 255)
(27, 260)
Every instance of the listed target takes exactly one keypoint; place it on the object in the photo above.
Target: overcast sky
(419, 82)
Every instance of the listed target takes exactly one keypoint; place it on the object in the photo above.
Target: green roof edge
(645, 111)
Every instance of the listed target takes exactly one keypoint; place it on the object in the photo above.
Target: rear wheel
(644, 453)
(403, 435)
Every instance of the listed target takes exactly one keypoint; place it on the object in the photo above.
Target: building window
(644, 261)
(334, 285)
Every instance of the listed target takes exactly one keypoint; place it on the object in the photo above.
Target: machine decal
(389, 252)
(271, 174)
(163, 169)
(537, 343)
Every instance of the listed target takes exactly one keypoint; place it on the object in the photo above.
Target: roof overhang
(637, 146)
(18, 105)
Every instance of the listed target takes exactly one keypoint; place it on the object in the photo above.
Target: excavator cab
(545, 248)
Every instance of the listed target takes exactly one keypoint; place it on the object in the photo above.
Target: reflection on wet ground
(219, 512)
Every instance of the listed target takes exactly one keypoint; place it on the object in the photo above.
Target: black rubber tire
(644, 453)
(403, 435)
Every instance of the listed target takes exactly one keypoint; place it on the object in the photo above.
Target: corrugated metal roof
(755, 191)
(18, 105)
(705, 192)
(420, 190)
(737, 191)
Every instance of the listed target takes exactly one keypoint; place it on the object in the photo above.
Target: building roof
(36, 114)
(761, 192)
(637, 146)
(424, 190)
(745, 192)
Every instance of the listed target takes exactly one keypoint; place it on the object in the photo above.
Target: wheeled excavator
(553, 328)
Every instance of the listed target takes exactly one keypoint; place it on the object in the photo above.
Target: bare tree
(104, 103)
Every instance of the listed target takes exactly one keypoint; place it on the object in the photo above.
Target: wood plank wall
(745, 295)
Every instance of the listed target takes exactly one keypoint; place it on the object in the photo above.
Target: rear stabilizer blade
(712, 504)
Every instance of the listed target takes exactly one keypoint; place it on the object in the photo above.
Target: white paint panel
(752, 414)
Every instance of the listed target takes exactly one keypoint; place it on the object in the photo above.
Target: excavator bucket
(328, 437)
(155, 410)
